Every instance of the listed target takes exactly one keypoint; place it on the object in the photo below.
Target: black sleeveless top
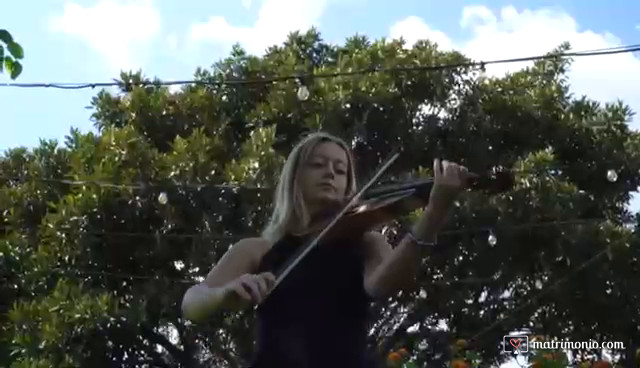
(318, 315)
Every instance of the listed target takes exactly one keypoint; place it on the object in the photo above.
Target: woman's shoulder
(254, 244)
(254, 247)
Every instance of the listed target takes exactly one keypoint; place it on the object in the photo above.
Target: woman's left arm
(388, 270)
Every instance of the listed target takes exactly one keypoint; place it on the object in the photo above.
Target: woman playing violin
(318, 315)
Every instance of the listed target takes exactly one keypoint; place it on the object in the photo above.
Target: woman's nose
(329, 171)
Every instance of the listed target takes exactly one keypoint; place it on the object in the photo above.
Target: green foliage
(93, 275)
(10, 62)
(72, 314)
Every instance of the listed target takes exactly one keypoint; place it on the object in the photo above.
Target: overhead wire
(161, 234)
(232, 238)
(299, 76)
(551, 170)
(83, 274)
(545, 289)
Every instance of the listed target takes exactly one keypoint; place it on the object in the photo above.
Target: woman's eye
(322, 164)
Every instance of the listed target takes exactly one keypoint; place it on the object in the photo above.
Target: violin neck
(421, 188)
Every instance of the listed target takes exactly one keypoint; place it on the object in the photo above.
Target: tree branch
(400, 332)
(219, 350)
(161, 340)
(156, 360)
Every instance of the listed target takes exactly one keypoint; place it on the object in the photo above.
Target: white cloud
(276, 19)
(513, 33)
(413, 29)
(120, 31)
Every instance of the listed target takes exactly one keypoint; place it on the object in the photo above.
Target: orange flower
(403, 352)
(459, 363)
(394, 357)
(601, 364)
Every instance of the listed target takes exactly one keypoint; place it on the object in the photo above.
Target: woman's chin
(327, 200)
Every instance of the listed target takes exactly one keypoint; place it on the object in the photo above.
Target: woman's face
(323, 177)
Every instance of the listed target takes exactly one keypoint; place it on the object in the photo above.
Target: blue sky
(82, 41)
(91, 40)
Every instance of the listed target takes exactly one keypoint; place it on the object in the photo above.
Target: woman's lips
(327, 186)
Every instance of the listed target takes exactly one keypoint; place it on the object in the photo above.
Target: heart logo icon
(515, 343)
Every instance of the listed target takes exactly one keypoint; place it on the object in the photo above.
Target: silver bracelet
(419, 242)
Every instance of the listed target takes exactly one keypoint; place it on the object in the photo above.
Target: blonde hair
(290, 212)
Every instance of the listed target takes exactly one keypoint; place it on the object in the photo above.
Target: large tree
(93, 273)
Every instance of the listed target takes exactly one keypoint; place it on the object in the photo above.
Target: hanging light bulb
(492, 239)
(483, 71)
(163, 198)
(612, 176)
(303, 93)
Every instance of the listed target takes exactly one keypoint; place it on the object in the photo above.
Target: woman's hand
(250, 288)
(449, 180)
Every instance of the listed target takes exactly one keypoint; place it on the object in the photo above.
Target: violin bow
(333, 222)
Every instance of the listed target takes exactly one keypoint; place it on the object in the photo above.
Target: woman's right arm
(230, 284)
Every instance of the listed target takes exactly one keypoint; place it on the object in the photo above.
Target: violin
(368, 209)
